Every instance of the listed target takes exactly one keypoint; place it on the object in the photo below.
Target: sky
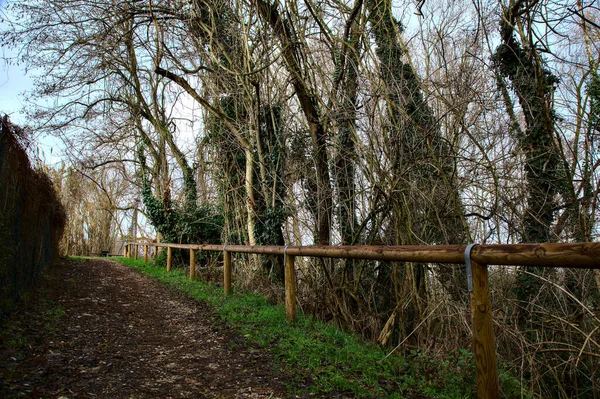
(14, 82)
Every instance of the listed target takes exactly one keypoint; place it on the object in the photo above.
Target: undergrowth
(327, 361)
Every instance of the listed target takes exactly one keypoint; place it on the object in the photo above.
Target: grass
(325, 360)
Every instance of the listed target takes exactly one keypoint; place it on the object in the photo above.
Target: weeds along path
(95, 328)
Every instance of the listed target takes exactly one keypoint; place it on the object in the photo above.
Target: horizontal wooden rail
(570, 255)
(567, 255)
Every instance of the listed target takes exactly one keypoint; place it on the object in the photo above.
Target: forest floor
(97, 329)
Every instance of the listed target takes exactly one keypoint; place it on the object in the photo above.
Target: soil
(97, 329)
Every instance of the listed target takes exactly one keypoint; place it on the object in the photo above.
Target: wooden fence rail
(475, 257)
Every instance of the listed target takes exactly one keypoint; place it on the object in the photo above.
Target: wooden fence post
(192, 264)
(484, 348)
(290, 289)
(135, 251)
(169, 253)
(145, 254)
(155, 251)
(227, 272)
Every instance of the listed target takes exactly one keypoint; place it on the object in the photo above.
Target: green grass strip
(326, 360)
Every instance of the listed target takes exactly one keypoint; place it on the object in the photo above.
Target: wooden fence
(475, 257)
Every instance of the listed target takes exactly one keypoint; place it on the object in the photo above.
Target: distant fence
(31, 219)
(475, 257)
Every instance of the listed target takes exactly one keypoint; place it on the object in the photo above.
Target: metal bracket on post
(468, 265)
(284, 254)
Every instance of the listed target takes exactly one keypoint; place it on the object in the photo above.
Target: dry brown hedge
(32, 218)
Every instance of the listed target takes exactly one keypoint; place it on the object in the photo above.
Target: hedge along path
(128, 336)
(475, 257)
(31, 218)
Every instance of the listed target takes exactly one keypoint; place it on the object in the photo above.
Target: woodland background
(341, 122)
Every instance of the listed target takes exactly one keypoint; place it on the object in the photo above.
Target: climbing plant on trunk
(424, 202)
(521, 64)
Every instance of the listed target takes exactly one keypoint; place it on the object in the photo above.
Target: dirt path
(96, 329)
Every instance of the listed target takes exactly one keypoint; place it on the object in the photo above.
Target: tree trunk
(308, 103)
(534, 87)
